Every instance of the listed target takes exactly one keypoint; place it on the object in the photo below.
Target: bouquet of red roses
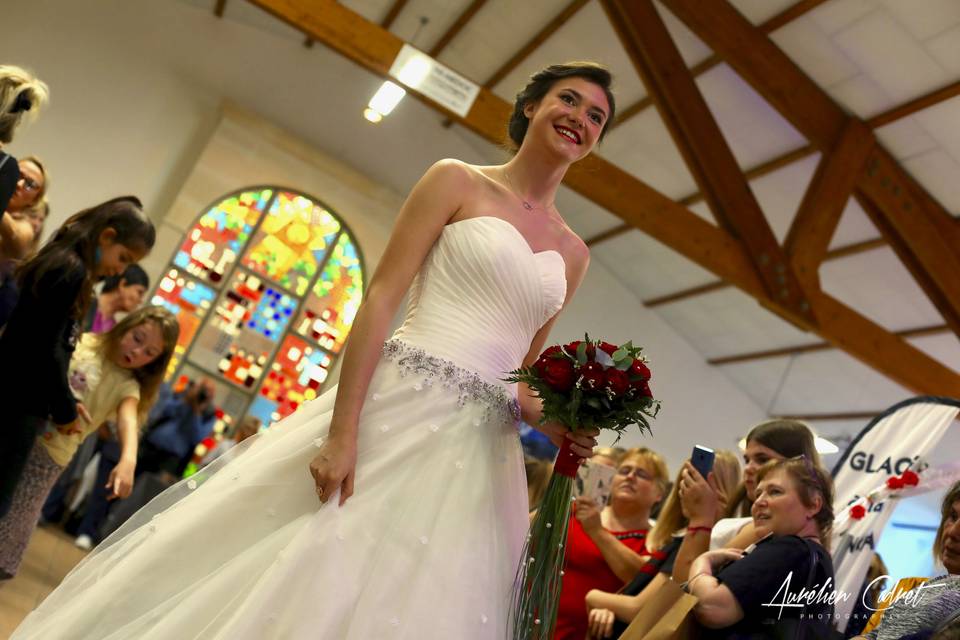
(583, 385)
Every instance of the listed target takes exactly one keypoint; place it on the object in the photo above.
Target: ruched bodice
(481, 296)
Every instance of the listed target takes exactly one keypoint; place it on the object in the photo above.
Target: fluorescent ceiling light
(386, 98)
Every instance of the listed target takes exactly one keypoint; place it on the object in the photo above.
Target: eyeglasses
(628, 471)
(29, 184)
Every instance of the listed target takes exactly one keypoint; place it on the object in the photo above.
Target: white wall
(137, 89)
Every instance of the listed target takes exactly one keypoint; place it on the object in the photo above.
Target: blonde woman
(606, 547)
(21, 96)
(610, 613)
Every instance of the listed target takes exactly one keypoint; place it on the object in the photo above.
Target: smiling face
(754, 457)
(779, 508)
(950, 555)
(139, 346)
(569, 119)
(29, 187)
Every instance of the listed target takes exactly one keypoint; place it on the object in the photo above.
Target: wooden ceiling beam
(912, 262)
(758, 171)
(456, 27)
(794, 350)
(374, 49)
(759, 61)
(823, 202)
(783, 18)
(915, 105)
(392, 13)
(883, 350)
(698, 136)
(534, 43)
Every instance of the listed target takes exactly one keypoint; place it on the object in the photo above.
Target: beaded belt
(469, 385)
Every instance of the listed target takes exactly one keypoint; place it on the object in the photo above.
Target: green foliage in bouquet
(592, 384)
(584, 384)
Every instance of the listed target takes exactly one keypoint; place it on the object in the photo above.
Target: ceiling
(870, 56)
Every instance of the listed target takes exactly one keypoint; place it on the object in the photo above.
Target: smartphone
(702, 459)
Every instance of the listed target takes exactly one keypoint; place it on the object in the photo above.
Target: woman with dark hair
(737, 590)
(414, 522)
(715, 524)
(120, 294)
(939, 604)
(42, 332)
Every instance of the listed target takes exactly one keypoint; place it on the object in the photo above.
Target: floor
(50, 556)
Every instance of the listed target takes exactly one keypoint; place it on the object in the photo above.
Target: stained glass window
(266, 286)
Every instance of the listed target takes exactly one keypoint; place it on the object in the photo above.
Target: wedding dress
(426, 548)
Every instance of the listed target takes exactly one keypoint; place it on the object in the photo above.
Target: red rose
(616, 381)
(540, 366)
(608, 348)
(573, 346)
(858, 511)
(559, 374)
(894, 483)
(910, 478)
(550, 351)
(592, 378)
(640, 370)
(592, 367)
(642, 389)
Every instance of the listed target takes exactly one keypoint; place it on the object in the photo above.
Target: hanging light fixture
(387, 97)
(413, 72)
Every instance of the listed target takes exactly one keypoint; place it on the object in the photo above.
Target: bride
(416, 461)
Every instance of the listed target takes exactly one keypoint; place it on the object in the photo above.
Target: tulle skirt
(427, 547)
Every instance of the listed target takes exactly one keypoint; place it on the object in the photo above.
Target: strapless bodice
(481, 295)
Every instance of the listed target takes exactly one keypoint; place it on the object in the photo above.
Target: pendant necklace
(526, 204)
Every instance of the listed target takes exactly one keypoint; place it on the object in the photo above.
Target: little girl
(55, 289)
(115, 375)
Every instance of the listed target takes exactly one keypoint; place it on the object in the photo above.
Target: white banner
(896, 440)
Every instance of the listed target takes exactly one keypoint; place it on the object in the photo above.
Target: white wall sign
(425, 75)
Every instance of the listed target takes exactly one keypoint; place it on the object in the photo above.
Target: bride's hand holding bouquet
(584, 387)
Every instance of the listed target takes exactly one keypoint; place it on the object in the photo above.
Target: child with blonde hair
(115, 375)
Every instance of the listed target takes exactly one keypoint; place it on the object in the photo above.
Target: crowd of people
(82, 364)
(82, 361)
(730, 539)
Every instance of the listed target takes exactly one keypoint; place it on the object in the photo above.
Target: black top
(661, 561)
(764, 576)
(8, 290)
(37, 344)
(9, 177)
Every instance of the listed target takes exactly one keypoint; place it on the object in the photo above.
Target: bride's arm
(434, 200)
(577, 260)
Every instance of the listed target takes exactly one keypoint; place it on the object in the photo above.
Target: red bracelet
(695, 529)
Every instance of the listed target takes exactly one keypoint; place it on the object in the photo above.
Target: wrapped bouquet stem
(582, 385)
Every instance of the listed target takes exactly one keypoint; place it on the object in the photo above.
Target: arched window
(266, 286)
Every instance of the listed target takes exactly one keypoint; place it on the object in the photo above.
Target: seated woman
(735, 589)
(611, 613)
(771, 440)
(941, 596)
(606, 547)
